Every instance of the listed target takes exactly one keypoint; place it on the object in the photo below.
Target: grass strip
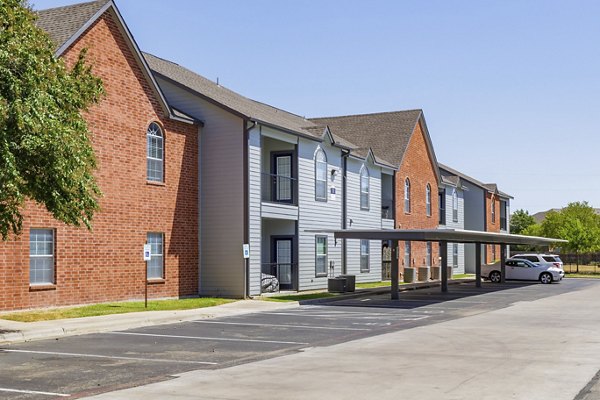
(298, 297)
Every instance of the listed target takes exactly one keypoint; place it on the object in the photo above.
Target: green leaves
(578, 223)
(520, 221)
(45, 149)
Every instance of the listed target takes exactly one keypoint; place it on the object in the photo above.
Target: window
(41, 257)
(156, 263)
(407, 195)
(428, 199)
(493, 253)
(320, 176)
(364, 255)
(454, 205)
(407, 255)
(321, 255)
(364, 188)
(428, 256)
(454, 255)
(503, 213)
(493, 206)
(155, 156)
(442, 200)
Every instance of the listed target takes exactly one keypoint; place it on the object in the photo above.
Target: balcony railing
(387, 209)
(278, 188)
(277, 276)
(503, 223)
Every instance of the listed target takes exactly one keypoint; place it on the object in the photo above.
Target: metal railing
(278, 188)
(387, 209)
(277, 276)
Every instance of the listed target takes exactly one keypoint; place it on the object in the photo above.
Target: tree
(578, 223)
(45, 147)
(520, 220)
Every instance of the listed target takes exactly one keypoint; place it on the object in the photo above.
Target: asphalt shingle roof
(387, 133)
(490, 187)
(62, 23)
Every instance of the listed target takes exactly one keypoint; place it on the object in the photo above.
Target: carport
(444, 236)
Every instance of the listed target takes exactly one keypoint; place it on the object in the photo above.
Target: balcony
(279, 189)
(387, 209)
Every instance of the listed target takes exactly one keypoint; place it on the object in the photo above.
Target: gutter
(345, 155)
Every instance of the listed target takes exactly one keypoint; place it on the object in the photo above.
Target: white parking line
(54, 353)
(33, 392)
(205, 338)
(282, 326)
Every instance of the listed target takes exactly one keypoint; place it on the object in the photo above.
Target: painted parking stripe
(206, 338)
(282, 326)
(33, 392)
(55, 353)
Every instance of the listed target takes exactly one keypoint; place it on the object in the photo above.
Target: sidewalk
(16, 332)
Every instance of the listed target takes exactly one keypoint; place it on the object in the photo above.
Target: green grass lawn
(114, 308)
(368, 285)
(297, 297)
(461, 276)
(574, 275)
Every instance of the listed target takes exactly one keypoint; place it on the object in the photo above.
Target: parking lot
(84, 365)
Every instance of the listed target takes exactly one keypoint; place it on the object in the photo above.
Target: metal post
(502, 263)
(444, 251)
(478, 265)
(394, 270)
(146, 285)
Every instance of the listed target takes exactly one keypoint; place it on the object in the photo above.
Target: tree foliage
(520, 220)
(45, 148)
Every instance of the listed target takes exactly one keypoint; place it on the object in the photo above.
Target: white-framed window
(407, 195)
(155, 153)
(428, 199)
(41, 257)
(320, 175)
(407, 254)
(428, 255)
(493, 211)
(320, 255)
(454, 255)
(156, 265)
(364, 255)
(364, 188)
(454, 205)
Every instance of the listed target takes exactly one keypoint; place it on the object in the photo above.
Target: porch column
(502, 263)
(444, 251)
(394, 270)
(478, 265)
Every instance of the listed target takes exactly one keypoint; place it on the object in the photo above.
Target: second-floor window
(407, 195)
(493, 211)
(320, 176)
(428, 199)
(442, 200)
(155, 153)
(364, 189)
(454, 205)
(503, 213)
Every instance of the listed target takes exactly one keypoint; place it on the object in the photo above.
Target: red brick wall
(418, 167)
(492, 226)
(106, 264)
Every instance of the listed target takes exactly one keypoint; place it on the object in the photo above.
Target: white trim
(206, 338)
(283, 326)
(33, 392)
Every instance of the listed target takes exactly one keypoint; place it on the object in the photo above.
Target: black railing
(278, 188)
(387, 209)
(277, 276)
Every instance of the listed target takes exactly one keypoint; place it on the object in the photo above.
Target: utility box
(435, 273)
(450, 271)
(423, 274)
(350, 282)
(336, 285)
(409, 275)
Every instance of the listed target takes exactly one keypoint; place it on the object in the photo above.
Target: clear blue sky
(510, 88)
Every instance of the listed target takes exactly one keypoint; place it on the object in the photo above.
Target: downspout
(247, 202)
(345, 155)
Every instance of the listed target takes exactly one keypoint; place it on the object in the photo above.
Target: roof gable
(488, 187)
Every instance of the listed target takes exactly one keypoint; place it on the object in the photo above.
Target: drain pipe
(345, 155)
(247, 129)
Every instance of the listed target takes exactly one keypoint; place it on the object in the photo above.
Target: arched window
(155, 153)
(454, 205)
(407, 196)
(428, 199)
(320, 176)
(493, 205)
(364, 188)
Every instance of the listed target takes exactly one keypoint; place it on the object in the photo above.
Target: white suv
(549, 260)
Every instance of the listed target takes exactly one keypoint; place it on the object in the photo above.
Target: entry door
(282, 185)
(283, 261)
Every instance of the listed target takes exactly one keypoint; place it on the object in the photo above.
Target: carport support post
(444, 251)
(478, 264)
(394, 270)
(502, 263)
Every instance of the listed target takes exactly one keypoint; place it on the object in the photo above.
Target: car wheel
(546, 278)
(495, 277)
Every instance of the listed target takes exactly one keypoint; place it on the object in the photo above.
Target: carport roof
(447, 235)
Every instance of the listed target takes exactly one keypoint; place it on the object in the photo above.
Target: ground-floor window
(493, 252)
(364, 255)
(428, 255)
(321, 255)
(156, 264)
(41, 257)
(454, 255)
(407, 254)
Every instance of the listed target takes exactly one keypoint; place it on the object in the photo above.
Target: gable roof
(387, 134)
(66, 24)
(489, 187)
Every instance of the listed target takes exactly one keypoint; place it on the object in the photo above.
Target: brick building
(147, 157)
